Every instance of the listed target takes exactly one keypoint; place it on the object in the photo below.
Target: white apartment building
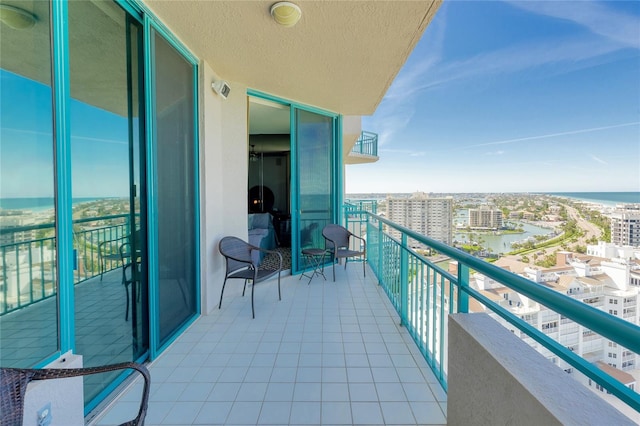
(611, 250)
(625, 225)
(485, 218)
(429, 216)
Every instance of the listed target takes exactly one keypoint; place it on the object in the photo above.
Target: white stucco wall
(223, 178)
(494, 378)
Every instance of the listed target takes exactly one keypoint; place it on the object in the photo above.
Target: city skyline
(513, 97)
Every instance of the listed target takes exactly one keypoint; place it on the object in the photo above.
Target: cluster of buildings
(606, 278)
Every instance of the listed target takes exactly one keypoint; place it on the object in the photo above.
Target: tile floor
(328, 353)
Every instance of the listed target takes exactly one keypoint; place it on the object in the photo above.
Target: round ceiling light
(16, 18)
(286, 13)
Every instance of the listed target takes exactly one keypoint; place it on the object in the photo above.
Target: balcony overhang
(341, 56)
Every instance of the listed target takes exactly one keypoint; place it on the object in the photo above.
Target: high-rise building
(485, 218)
(625, 225)
(429, 216)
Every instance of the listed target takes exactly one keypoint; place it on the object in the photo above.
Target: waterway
(497, 243)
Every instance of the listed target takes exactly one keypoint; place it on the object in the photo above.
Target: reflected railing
(28, 266)
(424, 293)
(367, 144)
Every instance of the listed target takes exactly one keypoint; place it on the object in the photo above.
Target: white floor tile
(327, 354)
(336, 413)
(366, 413)
(275, 413)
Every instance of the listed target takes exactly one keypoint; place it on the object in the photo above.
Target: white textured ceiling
(342, 55)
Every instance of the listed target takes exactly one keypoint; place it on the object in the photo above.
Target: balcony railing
(367, 144)
(424, 294)
(28, 266)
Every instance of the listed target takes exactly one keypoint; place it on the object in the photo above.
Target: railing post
(404, 280)
(463, 282)
(380, 252)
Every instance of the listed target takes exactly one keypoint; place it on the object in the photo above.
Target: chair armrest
(23, 374)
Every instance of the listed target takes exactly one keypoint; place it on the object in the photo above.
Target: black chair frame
(337, 244)
(14, 381)
(240, 265)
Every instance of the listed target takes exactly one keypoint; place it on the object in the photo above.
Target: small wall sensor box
(221, 87)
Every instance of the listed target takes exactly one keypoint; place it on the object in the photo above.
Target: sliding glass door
(175, 191)
(316, 180)
(108, 187)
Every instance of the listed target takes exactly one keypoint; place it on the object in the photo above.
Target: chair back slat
(335, 234)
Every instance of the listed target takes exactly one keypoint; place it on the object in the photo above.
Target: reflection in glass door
(315, 176)
(28, 280)
(107, 187)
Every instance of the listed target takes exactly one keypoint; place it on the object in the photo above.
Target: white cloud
(598, 17)
(599, 160)
(494, 153)
(552, 135)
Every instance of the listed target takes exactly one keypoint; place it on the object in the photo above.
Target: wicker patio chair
(337, 245)
(240, 264)
(109, 253)
(14, 381)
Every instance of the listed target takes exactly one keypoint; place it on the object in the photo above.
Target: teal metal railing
(367, 144)
(28, 266)
(424, 294)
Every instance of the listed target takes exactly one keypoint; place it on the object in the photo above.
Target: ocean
(607, 198)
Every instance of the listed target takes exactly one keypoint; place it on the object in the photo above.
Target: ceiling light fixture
(16, 18)
(286, 13)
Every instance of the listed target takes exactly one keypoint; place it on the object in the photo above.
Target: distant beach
(606, 198)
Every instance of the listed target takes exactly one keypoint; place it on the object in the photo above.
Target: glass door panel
(174, 140)
(28, 282)
(314, 139)
(107, 187)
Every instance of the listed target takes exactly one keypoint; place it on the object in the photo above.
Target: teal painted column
(62, 137)
(380, 252)
(463, 283)
(404, 280)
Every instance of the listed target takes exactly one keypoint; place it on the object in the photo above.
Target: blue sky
(512, 96)
(99, 164)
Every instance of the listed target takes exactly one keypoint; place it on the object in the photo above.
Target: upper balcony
(365, 150)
